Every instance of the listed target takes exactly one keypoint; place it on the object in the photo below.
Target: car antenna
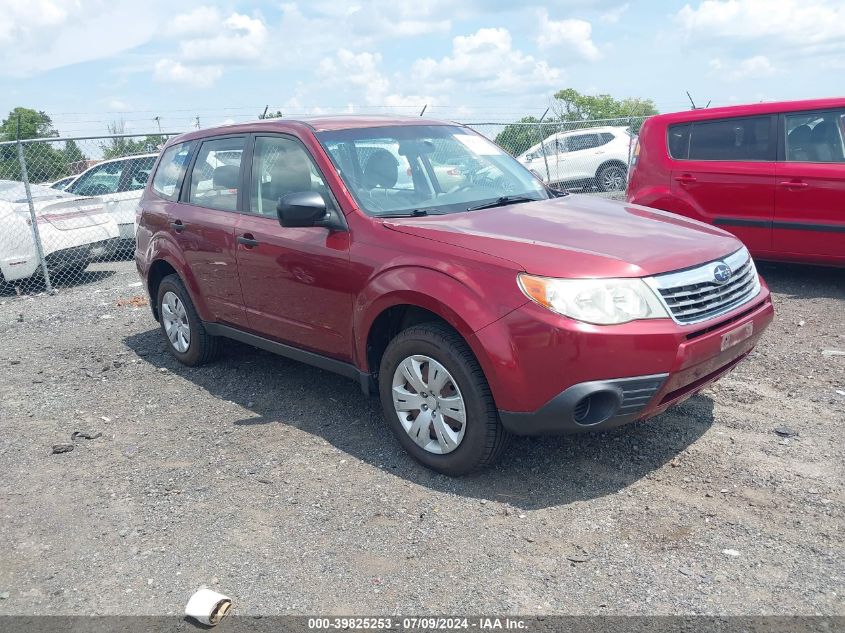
(264, 115)
(689, 96)
(423, 110)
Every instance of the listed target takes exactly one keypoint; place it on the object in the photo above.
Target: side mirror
(303, 208)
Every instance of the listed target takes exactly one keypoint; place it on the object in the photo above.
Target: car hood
(578, 236)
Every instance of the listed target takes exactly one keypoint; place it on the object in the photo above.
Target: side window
(216, 176)
(732, 139)
(281, 166)
(605, 138)
(168, 177)
(815, 137)
(138, 172)
(583, 141)
(677, 139)
(100, 180)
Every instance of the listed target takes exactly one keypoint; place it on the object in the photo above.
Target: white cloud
(612, 16)
(485, 62)
(575, 36)
(809, 26)
(117, 105)
(40, 35)
(749, 68)
(239, 38)
(361, 73)
(171, 71)
(208, 44)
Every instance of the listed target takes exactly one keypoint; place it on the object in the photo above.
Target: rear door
(725, 171)
(810, 194)
(203, 225)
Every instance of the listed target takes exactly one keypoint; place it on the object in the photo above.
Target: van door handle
(794, 184)
(248, 240)
(686, 178)
(177, 226)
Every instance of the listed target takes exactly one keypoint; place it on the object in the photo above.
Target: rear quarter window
(677, 140)
(171, 170)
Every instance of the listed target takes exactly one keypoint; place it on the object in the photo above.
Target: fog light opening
(596, 408)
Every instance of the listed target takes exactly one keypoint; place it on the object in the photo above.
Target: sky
(91, 62)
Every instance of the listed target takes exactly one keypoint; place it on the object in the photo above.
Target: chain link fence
(68, 203)
(583, 156)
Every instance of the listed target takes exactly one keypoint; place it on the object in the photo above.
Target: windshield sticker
(478, 145)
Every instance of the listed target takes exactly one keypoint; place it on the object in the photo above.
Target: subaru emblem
(722, 273)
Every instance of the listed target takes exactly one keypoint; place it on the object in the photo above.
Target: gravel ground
(279, 484)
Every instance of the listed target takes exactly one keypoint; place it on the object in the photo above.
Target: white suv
(596, 156)
(119, 183)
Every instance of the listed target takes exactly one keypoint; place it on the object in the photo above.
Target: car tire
(612, 177)
(178, 317)
(480, 437)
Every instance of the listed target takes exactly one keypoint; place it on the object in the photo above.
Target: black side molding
(791, 226)
(364, 379)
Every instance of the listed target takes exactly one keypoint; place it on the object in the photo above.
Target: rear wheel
(437, 401)
(183, 330)
(612, 178)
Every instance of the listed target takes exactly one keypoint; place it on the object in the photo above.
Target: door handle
(794, 184)
(686, 178)
(177, 226)
(248, 240)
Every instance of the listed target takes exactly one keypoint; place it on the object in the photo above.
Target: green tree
(517, 137)
(127, 146)
(571, 105)
(33, 124)
(44, 161)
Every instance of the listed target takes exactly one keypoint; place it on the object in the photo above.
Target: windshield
(398, 170)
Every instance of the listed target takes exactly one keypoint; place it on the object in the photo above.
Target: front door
(729, 177)
(810, 193)
(295, 280)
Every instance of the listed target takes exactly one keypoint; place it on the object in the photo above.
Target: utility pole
(198, 121)
(158, 120)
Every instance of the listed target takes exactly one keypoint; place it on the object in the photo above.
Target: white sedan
(74, 230)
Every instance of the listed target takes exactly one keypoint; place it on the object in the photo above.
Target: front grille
(694, 295)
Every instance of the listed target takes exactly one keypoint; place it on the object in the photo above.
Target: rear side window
(171, 170)
(216, 175)
(815, 137)
(678, 141)
(732, 139)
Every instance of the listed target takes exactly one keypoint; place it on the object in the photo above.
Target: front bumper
(555, 375)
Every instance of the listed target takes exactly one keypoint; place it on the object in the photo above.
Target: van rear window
(678, 141)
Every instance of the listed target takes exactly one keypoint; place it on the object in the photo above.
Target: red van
(773, 174)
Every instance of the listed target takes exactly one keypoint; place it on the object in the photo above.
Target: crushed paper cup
(208, 607)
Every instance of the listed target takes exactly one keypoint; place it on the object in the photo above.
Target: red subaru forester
(423, 261)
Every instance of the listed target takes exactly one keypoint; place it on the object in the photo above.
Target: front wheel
(612, 178)
(437, 401)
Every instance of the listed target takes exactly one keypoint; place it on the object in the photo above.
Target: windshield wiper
(412, 213)
(502, 201)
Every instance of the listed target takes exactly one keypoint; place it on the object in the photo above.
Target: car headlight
(598, 301)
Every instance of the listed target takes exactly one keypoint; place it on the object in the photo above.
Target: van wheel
(437, 401)
(612, 178)
(186, 337)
